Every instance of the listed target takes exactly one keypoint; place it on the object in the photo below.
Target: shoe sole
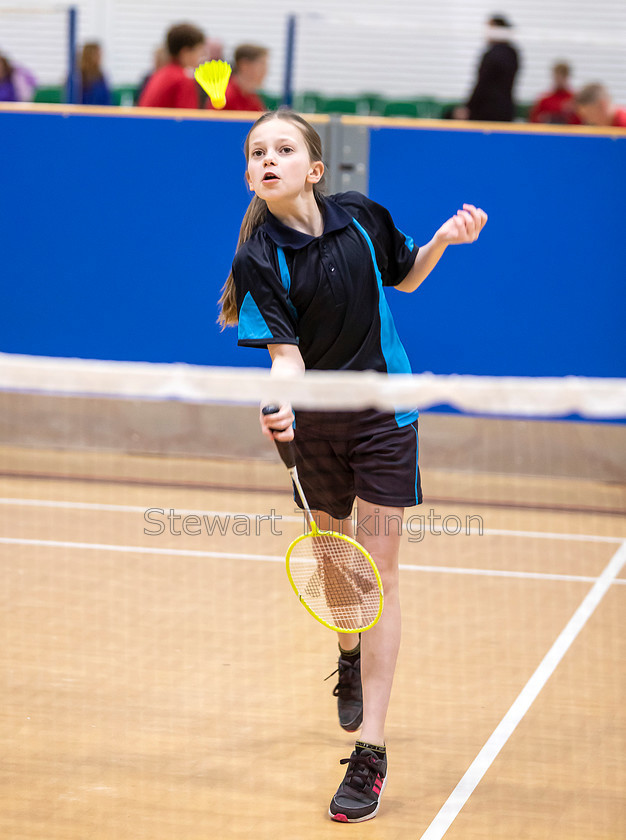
(354, 725)
(345, 819)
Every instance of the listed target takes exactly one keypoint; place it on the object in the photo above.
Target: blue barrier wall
(117, 233)
(543, 291)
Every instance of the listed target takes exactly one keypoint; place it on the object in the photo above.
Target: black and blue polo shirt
(325, 294)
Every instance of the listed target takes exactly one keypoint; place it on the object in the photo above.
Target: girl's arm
(464, 227)
(286, 361)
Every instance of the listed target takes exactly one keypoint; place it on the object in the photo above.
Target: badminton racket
(332, 574)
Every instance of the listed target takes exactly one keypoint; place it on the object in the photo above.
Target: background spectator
(94, 87)
(557, 106)
(7, 88)
(161, 57)
(249, 72)
(17, 84)
(214, 50)
(24, 82)
(492, 98)
(594, 107)
(173, 86)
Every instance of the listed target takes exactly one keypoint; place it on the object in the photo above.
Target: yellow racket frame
(315, 532)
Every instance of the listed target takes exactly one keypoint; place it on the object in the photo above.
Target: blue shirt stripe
(417, 458)
(410, 242)
(286, 278)
(252, 325)
(394, 353)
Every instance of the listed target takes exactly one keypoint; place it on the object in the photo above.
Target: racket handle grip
(286, 449)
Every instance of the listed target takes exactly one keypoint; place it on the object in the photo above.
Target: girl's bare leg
(380, 534)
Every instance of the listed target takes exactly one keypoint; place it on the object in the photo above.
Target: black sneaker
(358, 796)
(349, 693)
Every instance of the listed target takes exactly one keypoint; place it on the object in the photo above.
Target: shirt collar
(335, 218)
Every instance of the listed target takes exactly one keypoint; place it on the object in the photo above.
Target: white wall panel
(36, 35)
(399, 48)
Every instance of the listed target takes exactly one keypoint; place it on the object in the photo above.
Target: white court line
(142, 549)
(501, 734)
(460, 570)
(547, 535)
(96, 506)
(273, 558)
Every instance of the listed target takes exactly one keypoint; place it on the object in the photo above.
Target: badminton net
(145, 522)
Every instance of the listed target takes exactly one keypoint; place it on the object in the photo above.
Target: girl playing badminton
(306, 283)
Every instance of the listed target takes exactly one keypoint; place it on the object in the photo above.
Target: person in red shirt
(249, 72)
(595, 107)
(174, 86)
(557, 106)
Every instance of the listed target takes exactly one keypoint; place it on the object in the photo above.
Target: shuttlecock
(213, 77)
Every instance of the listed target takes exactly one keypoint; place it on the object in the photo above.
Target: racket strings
(336, 580)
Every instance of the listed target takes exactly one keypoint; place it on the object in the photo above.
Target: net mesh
(148, 624)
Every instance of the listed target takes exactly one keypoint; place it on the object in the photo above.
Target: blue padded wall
(117, 234)
(543, 292)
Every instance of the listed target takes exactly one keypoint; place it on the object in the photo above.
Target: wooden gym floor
(170, 686)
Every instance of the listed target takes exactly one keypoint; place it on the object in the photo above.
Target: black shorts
(344, 455)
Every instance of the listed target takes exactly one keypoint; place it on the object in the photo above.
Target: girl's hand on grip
(277, 425)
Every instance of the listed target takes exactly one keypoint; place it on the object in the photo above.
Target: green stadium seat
(50, 94)
(400, 108)
(339, 105)
(308, 102)
(126, 95)
(428, 107)
(271, 100)
(370, 103)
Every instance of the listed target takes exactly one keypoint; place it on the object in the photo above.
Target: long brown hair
(257, 209)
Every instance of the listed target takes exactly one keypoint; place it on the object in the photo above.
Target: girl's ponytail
(254, 217)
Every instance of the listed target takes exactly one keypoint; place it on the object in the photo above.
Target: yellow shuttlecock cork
(213, 77)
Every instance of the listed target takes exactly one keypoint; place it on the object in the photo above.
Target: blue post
(289, 59)
(72, 86)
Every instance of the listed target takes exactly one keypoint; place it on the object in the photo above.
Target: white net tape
(486, 395)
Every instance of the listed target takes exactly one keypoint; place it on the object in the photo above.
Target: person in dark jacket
(492, 98)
